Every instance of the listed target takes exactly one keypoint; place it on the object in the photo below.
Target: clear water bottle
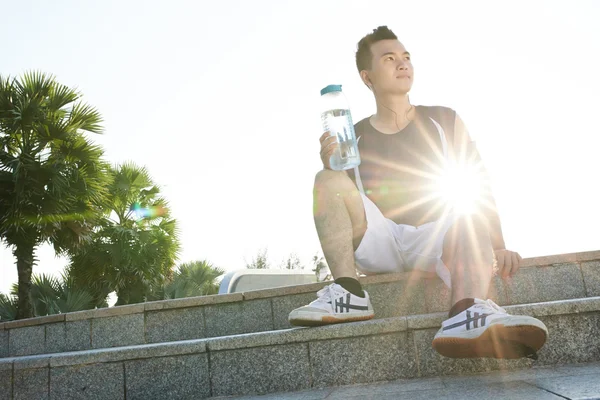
(337, 121)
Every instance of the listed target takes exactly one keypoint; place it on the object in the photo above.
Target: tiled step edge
(393, 295)
(288, 360)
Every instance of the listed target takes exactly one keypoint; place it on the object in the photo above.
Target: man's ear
(364, 75)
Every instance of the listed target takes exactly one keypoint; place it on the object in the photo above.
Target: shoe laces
(489, 304)
(327, 294)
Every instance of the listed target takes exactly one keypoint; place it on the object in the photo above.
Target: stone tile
(572, 338)
(500, 376)
(304, 335)
(549, 260)
(90, 382)
(260, 370)
(55, 338)
(559, 307)
(398, 298)
(6, 384)
(285, 290)
(591, 277)
(47, 319)
(314, 394)
(181, 377)
(3, 343)
(425, 321)
(106, 312)
(111, 355)
(282, 306)
(68, 336)
(437, 294)
(572, 387)
(31, 362)
(589, 256)
(31, 384)
(176, 324)
(122, 330)
(362, 359)
(193, 301)
(240, 317)
(26, 341)
(537, 284)
(78, 335)
(402, 386)
(513, 390)
(394, 276)
(576, 369)
(430, 363)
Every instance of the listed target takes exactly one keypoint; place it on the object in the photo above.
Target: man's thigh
(378, 251)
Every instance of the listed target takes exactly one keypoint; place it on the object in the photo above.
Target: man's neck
(393, 113)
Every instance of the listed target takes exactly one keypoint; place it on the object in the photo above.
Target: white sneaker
(487, 330)
(333, 305)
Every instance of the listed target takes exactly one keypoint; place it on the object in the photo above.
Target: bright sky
(220, 100)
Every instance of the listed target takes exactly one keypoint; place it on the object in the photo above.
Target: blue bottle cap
(331, 88)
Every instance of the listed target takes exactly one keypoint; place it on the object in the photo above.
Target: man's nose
(401, 65)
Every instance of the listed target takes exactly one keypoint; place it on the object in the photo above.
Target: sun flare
(460, 186)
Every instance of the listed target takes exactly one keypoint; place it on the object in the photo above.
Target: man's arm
(467, 151)
(508, 261)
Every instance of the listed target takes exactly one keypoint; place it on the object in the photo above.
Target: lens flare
(147, 212)
(461, 188)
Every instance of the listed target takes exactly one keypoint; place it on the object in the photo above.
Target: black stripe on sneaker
(340, 305)
(468, 321)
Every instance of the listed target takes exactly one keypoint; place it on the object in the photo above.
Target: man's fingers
(329, 149)
(500, 260)
(328, 142)
(515, 257)
(324, 136)
(507, 264)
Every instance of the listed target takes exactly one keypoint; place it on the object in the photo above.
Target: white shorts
(389, 247)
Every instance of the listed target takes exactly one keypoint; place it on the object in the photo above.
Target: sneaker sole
(497, 341)
(319, 320)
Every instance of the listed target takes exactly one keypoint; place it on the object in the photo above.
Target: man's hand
(508, 262)
(328, 146)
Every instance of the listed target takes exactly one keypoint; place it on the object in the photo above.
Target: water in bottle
(337, 120)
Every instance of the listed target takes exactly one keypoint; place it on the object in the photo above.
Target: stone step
(287, 360)
(541, 279)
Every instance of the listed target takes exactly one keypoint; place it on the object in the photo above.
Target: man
(387, 216)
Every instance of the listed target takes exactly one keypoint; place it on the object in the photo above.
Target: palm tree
(49, 295)
(8, 307)
(197, 278)
(55, 296)
(136, 246)
(52, 178)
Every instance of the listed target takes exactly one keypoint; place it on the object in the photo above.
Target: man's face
(391, 69)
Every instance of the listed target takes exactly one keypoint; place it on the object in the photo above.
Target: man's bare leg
(341, 224)
(469, 256)
(340, 220)
(486, 331)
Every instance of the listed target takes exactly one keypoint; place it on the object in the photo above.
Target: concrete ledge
(193, 301)
(299, 335)
(105, 312)
(293, 359)
(546, 279)
(34, 321)
(128, 353)
(284, 290)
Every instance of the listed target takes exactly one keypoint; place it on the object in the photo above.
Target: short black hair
(363, 51)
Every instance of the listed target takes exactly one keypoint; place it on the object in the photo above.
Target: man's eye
(389, 58)
(407, 58)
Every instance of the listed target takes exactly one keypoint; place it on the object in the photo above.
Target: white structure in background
(254, 279)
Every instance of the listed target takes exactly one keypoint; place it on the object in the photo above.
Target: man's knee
(327, 179)
(467, 232)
